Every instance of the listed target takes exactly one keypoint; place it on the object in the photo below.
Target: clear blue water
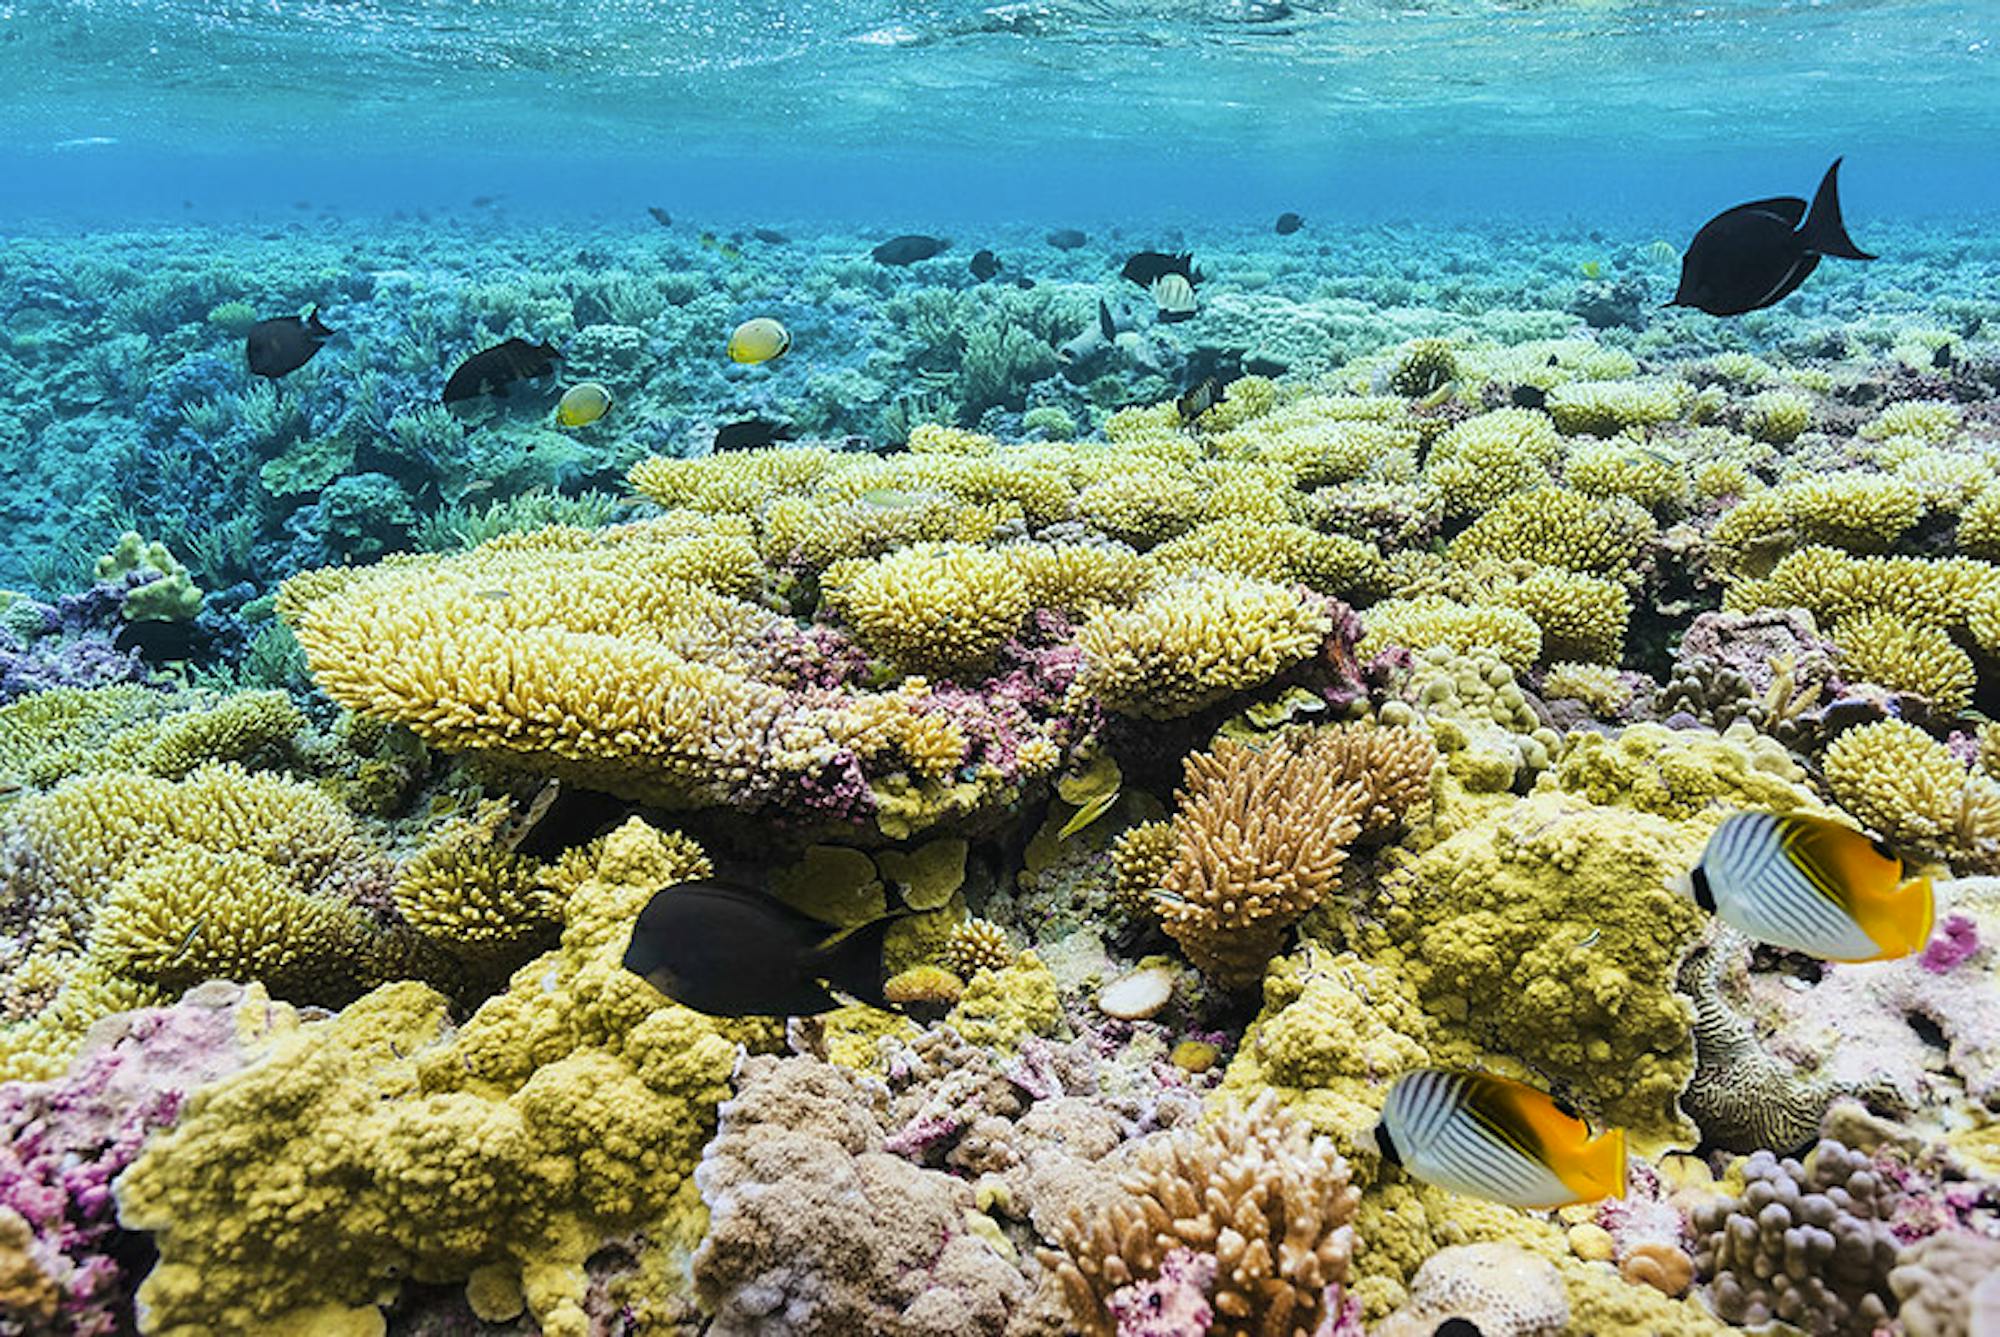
(1058, 109)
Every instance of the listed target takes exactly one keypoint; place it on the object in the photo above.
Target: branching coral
(1919, 660)
(566, 1111)
(1254, 1189)
(1911, 790)
(931, 607)
(1561, 528)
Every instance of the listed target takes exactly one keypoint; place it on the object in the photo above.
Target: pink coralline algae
(1173, 1304)
(1956, 939)
(62, 1142)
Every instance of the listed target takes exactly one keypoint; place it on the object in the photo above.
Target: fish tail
(1823, 232)
(1604, 1166)
(852, 961)
(314, 323)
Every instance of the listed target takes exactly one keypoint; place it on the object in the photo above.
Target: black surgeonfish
(1066, 239)
(749, 434)
(1528, 397)
(984, 266)
(770, 236)
(284, 344)
(734, 951)
(492, 370)
(1148, 267)
(660, 216)
(908, 249)
(1757, 254)
(1288, 223)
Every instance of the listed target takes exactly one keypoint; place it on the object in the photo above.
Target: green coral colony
(1220, 770)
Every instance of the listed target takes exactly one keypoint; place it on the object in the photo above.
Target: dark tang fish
(1066, 239)
(770, 236)
(908, 249)
(1288, 223)
(984, 266)
(749, 434)
(1757, 254)
(1148, 267)
(284, 344)
(660, 216)
(492, 370)
(734, 951)
(1528, 397)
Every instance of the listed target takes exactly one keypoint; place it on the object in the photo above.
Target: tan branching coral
(1253, 1188)
(1260, 835)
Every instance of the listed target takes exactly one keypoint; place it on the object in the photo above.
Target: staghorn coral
(1915, 793)
(137, 884)
(1195, 642)
(931, 608)
(1918, 660)
(1259, 838)
(1606, 408)
(1834, 587)
(1254, 1189)
(1435, 622)
(1492, 456)
(1279, 552)
(1777, 416)
(1558, 527)
(568, 1110)
(1806, 1243)
(69, 731)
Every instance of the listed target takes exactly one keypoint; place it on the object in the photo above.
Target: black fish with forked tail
(908, 249)
(283, 344)
(491, 371)
(1757, 254)
(734, 951)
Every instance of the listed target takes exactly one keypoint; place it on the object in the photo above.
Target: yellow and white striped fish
(1814, 886)
(1174, 296)
(1494, 1138)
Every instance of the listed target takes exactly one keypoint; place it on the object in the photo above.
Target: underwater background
(1183, 558)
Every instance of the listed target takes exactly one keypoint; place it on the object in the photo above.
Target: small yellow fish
(1592, 269)
(889, 498)
(582, 404)
(759, 340)
(1495, 1138)
(1812, 885)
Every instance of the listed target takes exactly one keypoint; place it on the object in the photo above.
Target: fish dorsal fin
(1788, 209)
(1105, 325)
(1824, 233)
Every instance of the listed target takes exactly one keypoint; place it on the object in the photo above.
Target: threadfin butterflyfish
(283, 344)
(582, 404)
(759, 340)
(1495, 1138)
(1812, 885)
(1174, 296)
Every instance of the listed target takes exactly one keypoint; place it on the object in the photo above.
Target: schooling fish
(1757, 254)
(1288, 223)
(1812, 885)
(734, 951)
(759, 340)
(492, 370)
(1495, 1138)
(1066, 239)
(749, 434)
(582, 404)
(284, 343)
(1148, 267)
(1173, 295)
(908, 249)
(660, 216)
(984, 265)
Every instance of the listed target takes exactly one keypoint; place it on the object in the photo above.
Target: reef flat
(1225, 759)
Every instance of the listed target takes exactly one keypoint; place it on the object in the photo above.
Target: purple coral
(1808, 1243)
(1956, 939)
(62, 1142)
(1173, 1304)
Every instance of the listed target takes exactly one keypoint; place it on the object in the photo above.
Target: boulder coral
(568, 1110)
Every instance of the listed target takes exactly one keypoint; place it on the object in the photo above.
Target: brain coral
(381, 1145)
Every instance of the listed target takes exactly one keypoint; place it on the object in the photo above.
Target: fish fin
(1105, 325)
(852, 961)
(1901, 921)
(315, 325)
(1602, 1173)
(1823, 232)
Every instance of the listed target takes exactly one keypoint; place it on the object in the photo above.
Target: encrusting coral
(567, 1111)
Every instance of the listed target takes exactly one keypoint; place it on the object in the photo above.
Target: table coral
(567, 1110)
